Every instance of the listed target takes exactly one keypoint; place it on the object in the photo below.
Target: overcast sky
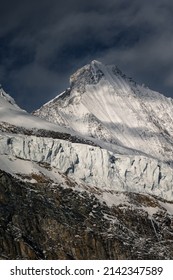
(42, 42)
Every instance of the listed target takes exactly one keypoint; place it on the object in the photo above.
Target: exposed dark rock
(42, 221)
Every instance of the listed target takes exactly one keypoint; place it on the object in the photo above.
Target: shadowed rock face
(39, 221)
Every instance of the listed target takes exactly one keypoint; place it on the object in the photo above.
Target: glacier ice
(93, 165)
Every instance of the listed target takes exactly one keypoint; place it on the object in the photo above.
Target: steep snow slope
(106, 105)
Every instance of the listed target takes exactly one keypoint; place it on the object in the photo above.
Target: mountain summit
(104, 104)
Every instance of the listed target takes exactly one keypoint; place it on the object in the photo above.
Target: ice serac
(116, 112)
(89, 165)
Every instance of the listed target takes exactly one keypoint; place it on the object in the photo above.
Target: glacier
(93, 166)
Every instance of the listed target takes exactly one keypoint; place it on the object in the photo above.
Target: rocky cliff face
(42, 222)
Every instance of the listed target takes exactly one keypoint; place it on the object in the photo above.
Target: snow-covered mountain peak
(95, 64)
(93, 73)
(6, 100)
(104, 104)
(88, 74)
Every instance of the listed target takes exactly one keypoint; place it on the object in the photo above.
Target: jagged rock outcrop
(42, 222)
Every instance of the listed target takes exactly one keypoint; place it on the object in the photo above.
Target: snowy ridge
(104, 104)
(11, 115)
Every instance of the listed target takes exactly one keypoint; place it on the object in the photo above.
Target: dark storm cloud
(43, 42)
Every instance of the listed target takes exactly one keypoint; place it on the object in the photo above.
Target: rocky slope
(39, 221)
